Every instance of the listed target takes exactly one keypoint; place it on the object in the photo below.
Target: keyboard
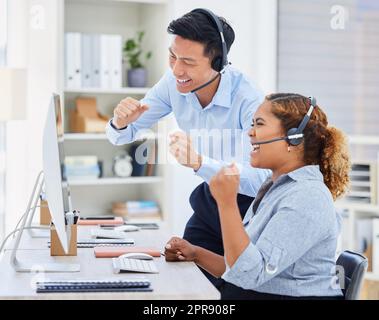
(138, 284)
(133, 265)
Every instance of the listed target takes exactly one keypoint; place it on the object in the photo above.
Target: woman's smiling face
(266, 126)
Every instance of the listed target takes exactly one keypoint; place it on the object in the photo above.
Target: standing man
(206, 94)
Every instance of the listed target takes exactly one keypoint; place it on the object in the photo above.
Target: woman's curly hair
(323, 145)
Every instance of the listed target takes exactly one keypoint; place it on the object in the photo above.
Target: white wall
(16, 150)
(33, 43)
(254, 23)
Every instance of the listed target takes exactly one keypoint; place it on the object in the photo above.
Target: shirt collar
(311, 172)
(224, 91)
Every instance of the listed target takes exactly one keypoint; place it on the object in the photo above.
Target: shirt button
(271, 269)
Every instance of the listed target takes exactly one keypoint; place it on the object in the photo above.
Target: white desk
(175, 280)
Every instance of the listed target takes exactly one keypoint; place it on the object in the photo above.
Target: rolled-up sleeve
(251, 179)
(297, 226)
(158, 100)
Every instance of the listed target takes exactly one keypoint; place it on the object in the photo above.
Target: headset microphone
(206, 84)
(213, 79)
(295, 135)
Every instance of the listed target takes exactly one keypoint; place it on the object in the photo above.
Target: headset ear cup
(293, 142)
(216, 64)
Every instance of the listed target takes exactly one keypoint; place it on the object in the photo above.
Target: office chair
(354, 266)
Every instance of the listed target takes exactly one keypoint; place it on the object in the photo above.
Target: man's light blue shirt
(226, 120)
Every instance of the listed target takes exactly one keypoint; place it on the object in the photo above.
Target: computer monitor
(56, 188)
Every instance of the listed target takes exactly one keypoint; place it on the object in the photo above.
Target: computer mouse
(136, 255)
(127, 228)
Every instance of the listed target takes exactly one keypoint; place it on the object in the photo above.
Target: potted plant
(137, 74)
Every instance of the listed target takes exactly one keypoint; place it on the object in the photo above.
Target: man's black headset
(295, 135)
(218, 64)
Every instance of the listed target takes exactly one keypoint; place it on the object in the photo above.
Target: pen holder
(56, 248)
(44, 216)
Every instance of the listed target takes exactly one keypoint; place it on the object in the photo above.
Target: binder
(69, 61)
(105, 67)
(95, 66)
(115, 56)
(110, 61)
(86, 59)
(73, 60)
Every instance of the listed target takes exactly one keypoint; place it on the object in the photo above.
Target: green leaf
(140, 36)
(130, 45)
(132, 50)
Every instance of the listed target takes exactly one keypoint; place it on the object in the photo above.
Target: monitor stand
(30, 267)
(34, 233)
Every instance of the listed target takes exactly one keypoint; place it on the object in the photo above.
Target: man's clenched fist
(127, 111)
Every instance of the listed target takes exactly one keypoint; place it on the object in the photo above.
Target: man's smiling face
(189, 65)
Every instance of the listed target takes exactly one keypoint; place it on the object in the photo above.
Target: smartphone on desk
(98, 218)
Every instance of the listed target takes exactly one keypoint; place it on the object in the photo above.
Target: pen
(70, 217)
(76, 216)
(69, 222)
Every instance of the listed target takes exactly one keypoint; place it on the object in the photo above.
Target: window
(331, 51)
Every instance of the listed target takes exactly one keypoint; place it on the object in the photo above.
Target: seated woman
(285, 247)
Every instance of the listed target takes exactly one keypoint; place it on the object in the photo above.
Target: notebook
(91, 243)
(141, 225)
(91, 222)
(113, 252)
(137, 284)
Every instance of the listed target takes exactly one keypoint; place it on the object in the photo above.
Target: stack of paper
(81, 167)
(136, 209)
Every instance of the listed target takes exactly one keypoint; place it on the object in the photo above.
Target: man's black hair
(197, 26)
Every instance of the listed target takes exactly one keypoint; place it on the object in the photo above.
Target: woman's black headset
(295, 136)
